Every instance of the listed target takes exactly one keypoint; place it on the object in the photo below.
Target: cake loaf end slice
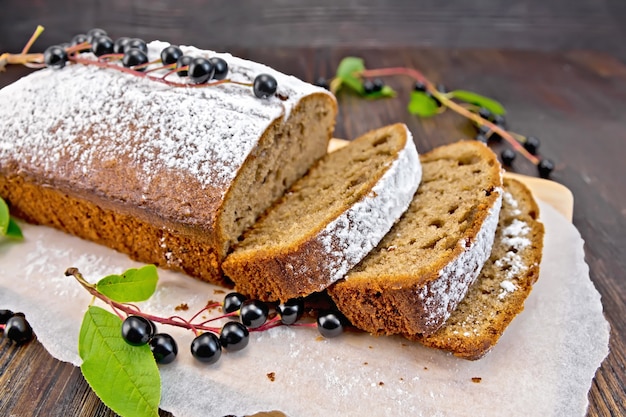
(330, 219)
(504, 283)
(423, 268)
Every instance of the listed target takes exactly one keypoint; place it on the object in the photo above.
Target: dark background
(546, 25)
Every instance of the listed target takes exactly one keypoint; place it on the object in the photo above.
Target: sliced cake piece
(330, 219)
(422, 269)
(504, 283)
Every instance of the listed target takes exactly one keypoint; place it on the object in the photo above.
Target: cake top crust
(131, 140)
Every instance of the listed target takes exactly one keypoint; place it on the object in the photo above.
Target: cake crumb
(182, 307)
(218, 291)
(476, 379)
(365, 363)
(381, 383)
(371, 347)
(319, 338)
(426, 368)
(271, 376)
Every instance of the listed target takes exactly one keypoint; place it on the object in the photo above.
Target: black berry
(18, 330)
(291, 311)
(55, 57)
(507, 156)
(484, 113)
(499, 120)
(5, 315)
(253, 313)
(442, 88)
(330, 323)
(170, 55)
(368, 86)
(322, 82)
(545, 167)
(532, 144)
(436, 100)
(119, 47)
(484, 130)
(102, 45)
(378, 84)
(481, 138)
(200, 70)
(264, 86)
(164, 348)
(206, 348)
(232, 302)
(94, 33)
(221, 68)
(133, 57)
(79, 39)
(183, 61)
(419, 86)
(234, 336)
(137, 330)
(137, 43)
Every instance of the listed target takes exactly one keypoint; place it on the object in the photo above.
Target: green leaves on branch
(8, 226)
(132, 286)
(126, 378)
(349, 75)
(476, 99)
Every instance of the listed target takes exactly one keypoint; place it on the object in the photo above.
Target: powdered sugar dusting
(441, 296)
(357, 231)
(68, 125)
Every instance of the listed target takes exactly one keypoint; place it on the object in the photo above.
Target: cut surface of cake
(169, 175)
(504, 283)
(420, 271)
(330, 219)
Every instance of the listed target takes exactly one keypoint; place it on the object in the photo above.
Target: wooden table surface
(574, 102)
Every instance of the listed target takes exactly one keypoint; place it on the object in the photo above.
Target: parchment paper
(543, 365)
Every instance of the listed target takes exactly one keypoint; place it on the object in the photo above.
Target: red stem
(452, 105)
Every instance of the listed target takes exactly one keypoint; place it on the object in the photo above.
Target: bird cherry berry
(164, 348)
(5, 315)
(482, 138)
(171, 54)
(55, 57)
(234, 336)
(545, 167)
(322, 82)
(531, 144)
(120, 44)
(253, 313)
(92, 34)
(137, 43)
(484, 113)
(206, 348)
(200, 70)
(102, 45)
(264, 86)
(419, 86)
(378, 84)
(368, 86)
(133, 57)
(330, 323)
(18, 330)
(291, 311)
(137, 330)
(221, 68)
(507, 156)
(183, 61)
(232, 302)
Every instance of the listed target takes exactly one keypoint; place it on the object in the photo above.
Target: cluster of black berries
(15, 326)
(234, 335)
(134, 54)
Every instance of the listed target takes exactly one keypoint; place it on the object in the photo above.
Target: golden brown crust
(398, 288)
(482, 317)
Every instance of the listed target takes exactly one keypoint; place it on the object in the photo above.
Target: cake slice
(422, 269)
(504, 283)
(330, 219)
(168, 174)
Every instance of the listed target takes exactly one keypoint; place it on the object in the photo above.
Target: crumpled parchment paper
(542, 366)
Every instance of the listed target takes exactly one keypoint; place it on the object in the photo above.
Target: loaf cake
(330, 219)
(412, 281)
(169, 175)
(504, 283)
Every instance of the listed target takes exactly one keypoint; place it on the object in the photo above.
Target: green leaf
(421, 104)
(386, 92)
(4, 217)
(346, 70)
(132, 286)
(126, 378)
(14, 231)
(480, 101)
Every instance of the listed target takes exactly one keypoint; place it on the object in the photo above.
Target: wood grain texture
(529, 24)
(574, 102)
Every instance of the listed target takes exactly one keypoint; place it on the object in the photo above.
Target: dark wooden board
(574, 102)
